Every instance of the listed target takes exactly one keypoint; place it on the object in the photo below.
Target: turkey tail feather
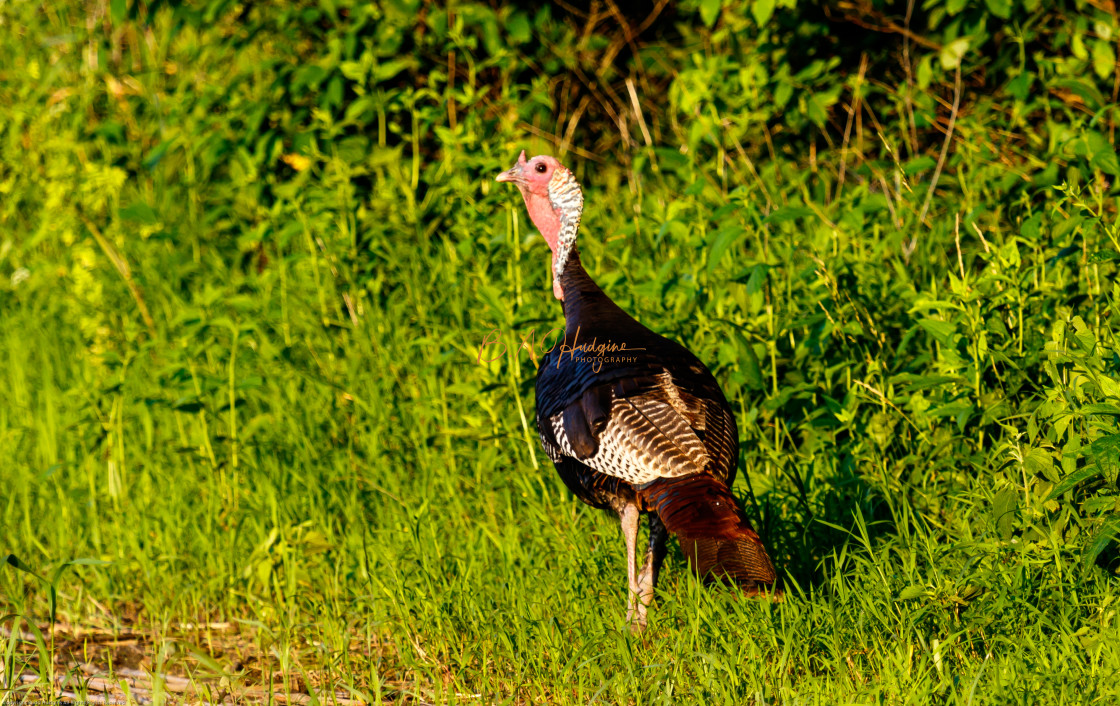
(714, 532)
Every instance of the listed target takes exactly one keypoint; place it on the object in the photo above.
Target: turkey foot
(641, 588)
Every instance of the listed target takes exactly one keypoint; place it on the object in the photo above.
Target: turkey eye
(541, 168)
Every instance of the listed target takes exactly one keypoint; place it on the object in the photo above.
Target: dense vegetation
(252, 255)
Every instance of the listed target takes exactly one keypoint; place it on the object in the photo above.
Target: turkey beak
(512, 174)
(516, 172)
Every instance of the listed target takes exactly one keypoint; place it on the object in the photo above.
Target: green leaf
(1004, 507)
(389, 69)
(757, 279)
(156, 155)
(1108, 533)
(518, 29)
(1083, 336)
(724, 239)
(1103, 30)
(709, 11)
(1020, 86)
(752, 370)
(911, 592)
(333, 95)
(1101, 408)
(788, 213)
(999, 8)
(942, 331)
(670, 160)
(925, 72)
(139, 212)
(762, 10)
(919, 165)
(1085, 90)
(1104, 58)
(1105, 451)
(118, 10)
(52, 598)
(952, 53)
(1106, 161)
(1073, 480)
(1077, 46)
(1040, 462)
(817, 111)
(782, 94)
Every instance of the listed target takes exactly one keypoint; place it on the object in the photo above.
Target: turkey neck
(586, 307)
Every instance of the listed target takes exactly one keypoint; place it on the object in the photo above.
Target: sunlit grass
(301, 477)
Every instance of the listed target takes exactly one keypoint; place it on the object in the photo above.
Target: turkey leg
(655, 554)
(636, 610)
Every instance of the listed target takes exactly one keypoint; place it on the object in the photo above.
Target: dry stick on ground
(78, 632)
(909, 250)
(140, 688)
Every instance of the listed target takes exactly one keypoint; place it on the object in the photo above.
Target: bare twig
(888, 26)
(556, 141)
(957, 236)
(628, 38)
(909, 80)
(987, 248)
(572, 123)
(820, 214)
(890, 204)
(651, 16)
(638, 111)
(940, 160)
(574, 11)
(852, 111)
(140, 688)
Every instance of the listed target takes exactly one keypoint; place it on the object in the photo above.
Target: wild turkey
(633, 421)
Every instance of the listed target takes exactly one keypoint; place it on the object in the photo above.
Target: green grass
(242, 324)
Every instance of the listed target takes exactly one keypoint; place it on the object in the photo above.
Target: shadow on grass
(805, 523)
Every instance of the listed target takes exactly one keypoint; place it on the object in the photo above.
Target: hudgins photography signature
(593, 352)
